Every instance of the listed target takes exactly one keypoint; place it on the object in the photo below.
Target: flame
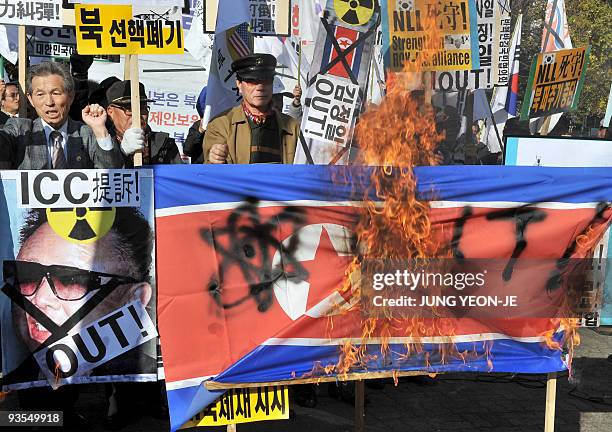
(393, 138)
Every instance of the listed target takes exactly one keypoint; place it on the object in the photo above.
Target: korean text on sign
(32, 13)
(244, 406)
(406, 36)
(555, 82)
(119, 29)
(332, 110)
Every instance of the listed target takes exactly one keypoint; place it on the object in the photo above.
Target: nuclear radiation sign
(81, 224)
(354, 12)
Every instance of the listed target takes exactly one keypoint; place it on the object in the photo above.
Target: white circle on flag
(292, 290)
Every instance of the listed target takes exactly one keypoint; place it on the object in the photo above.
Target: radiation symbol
(354, 12)
(82, 224)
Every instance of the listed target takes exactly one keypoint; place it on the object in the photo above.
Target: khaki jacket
(232, 128)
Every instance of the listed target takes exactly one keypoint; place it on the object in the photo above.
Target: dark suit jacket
(26, 143)
(3, 118)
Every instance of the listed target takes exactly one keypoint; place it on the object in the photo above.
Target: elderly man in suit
(53, 140)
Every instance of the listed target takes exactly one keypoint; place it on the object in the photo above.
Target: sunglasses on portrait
(67, 283)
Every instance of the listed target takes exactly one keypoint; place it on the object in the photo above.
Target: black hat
(98, 96)
(120, 93)
(255, 67)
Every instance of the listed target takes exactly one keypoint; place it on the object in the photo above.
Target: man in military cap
(156, 147)
(253, 132)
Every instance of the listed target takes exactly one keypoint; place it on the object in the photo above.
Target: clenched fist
(218, 154)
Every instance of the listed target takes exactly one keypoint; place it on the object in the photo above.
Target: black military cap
(120, 93)
(255, 67)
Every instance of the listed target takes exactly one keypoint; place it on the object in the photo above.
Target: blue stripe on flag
(233, 183)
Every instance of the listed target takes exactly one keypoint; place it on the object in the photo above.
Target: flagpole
(299, 77)
(550, 23)
(21, 41)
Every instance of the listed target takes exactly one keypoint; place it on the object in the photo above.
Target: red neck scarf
(258, 119)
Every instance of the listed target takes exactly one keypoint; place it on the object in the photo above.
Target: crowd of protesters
(72, 123)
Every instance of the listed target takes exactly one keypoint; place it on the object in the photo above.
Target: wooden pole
(551, 397)
(212, 385)
(22, 59)
(126, 67)
(135, 101)
(359, 406)
(544, 130)
(231, 428)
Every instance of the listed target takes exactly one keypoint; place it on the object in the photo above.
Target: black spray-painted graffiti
(250, 241)
(522, 217)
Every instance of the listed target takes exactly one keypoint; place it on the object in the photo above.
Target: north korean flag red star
(322, 257)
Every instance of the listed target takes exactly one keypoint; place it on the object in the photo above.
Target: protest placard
(32, 13)
(57, 42)
(111, 336)
(123, 29)
(494, 33)
(268, 17)
(245, 405)
(78, 303)
(555, 82)
(331, 116)
(406, 38)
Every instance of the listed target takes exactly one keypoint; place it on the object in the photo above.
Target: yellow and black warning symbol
(81, 224)
(354, 12)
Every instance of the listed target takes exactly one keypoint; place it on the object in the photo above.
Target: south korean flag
(404, 5)
(549, 59)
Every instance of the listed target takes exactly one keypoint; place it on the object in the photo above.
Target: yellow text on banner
(245, 406)
(114, 29)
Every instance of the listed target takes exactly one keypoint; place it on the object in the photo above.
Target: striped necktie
(58, 159)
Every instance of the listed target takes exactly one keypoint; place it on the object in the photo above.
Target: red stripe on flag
(345, 38)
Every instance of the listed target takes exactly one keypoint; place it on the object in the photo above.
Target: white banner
(87, 188)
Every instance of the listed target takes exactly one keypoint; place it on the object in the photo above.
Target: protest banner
(78, 301)
(57, 43)
(31, 13)
(332, 110)
(555, 82)
(574, 152)
(281, 298)
(245, 405)
(267, 17)
(126, 29)
(345, 42)
(406, 39)
(494, 34)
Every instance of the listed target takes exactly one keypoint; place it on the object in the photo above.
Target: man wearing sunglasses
(156, 147)
(58, 286)
(253, 132)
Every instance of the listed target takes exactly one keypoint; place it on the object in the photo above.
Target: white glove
(133, 141)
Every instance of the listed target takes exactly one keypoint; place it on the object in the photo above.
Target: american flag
(240, 39)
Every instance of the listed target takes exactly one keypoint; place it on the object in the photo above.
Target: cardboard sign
(406, 37)
(123, 29)
(245, 406)
(555, 82)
